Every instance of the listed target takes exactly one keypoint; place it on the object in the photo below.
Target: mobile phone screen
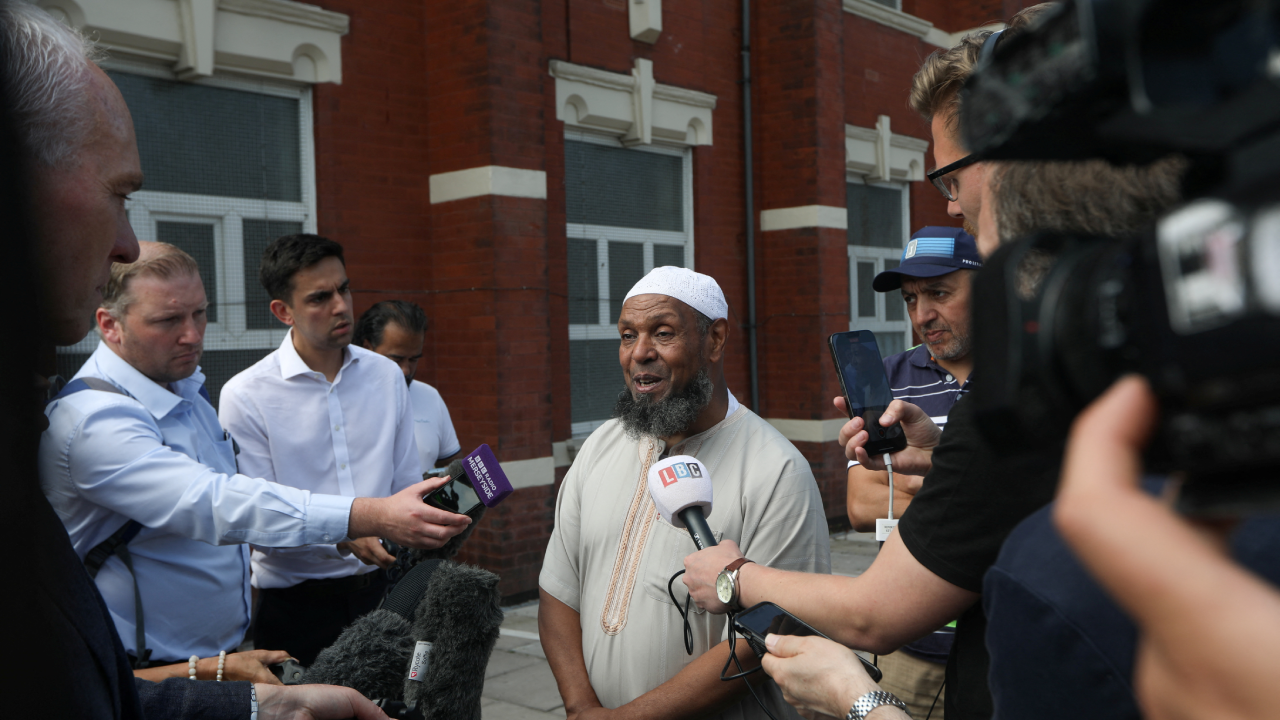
(768, 618)
(866, 387)
(456, 496)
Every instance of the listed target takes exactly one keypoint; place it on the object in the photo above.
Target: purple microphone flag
(486, 476)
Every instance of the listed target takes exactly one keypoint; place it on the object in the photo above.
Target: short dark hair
(374, 321)
(288, 255)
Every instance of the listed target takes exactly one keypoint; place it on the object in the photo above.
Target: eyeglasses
(939, 177)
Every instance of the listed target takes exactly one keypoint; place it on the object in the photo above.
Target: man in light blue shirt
(149, 448)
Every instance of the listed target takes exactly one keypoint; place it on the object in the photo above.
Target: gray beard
(670, 416)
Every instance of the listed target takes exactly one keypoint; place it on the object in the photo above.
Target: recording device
(455, 496)
(477, 481)
(288, 672)
(764, 618)
(866, 388)
(1194, 303)
(681, 489)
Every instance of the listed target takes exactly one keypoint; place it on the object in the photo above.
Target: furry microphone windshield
(370, 656)
(461, 615)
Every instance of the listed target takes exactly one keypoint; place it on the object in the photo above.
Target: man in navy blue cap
(935, 276)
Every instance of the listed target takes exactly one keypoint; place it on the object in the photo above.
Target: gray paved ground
(518, 684)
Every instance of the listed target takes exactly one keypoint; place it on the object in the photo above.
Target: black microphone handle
(699, 530)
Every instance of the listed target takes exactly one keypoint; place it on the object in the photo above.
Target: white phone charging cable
(888, 463)
(884, 526)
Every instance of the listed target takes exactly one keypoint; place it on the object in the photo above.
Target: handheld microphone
(681, 490)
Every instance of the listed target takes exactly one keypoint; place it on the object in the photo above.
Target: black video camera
(1194, 303)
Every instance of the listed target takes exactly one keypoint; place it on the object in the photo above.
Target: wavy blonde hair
(935, 89)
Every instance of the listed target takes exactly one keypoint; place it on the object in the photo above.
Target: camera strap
(118, 543)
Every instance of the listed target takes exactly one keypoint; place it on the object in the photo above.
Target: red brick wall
(371, 147)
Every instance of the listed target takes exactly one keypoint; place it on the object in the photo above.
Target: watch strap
(731, 570)
(872, 700)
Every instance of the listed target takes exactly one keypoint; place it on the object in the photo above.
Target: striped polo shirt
(914, 376)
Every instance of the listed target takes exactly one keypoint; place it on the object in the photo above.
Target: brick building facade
(513, 165)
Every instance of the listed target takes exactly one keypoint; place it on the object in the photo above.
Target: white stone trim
(896, 19)
(880, 155)
(295, 13)
(488, 180)
(910, 24)
(631, 107)
(808, 216)
(646, 20)
(530, 473)
(815, 431)
(280, 39)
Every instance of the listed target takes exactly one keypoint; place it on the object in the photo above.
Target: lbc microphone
(681, 489)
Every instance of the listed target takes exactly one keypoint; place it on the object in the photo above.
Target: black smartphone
(866, 387)
(759, 620)
(455, 496)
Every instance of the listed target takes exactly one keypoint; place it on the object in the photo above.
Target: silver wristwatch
(872, 700)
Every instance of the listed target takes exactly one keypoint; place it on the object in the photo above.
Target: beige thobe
(611, 554)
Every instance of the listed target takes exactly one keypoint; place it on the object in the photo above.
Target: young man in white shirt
(334, 417)
(396, 330)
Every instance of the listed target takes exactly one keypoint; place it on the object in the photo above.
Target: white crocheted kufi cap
(698, 291)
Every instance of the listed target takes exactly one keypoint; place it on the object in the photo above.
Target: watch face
(724, 588)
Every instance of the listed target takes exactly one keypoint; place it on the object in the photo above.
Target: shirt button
(949, 379)
(337, 427)
(344, 466)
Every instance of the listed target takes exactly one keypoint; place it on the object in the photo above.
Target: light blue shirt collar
(154, 397)
(292, 364)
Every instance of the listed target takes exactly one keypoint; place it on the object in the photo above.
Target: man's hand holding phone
(819, 675)
(921, 432)
(405, 519)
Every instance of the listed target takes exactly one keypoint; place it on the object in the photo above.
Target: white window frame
(878, 255)
(602, 234)
(147, 207)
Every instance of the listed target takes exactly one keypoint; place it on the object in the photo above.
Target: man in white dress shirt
(144, 454)
(396, 330)
(327, 416)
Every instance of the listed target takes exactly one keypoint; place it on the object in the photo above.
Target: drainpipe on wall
(749, 172)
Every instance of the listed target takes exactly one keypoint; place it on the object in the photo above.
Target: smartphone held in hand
(866, 388)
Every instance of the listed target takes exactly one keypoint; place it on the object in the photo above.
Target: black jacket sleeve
(200, 700)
